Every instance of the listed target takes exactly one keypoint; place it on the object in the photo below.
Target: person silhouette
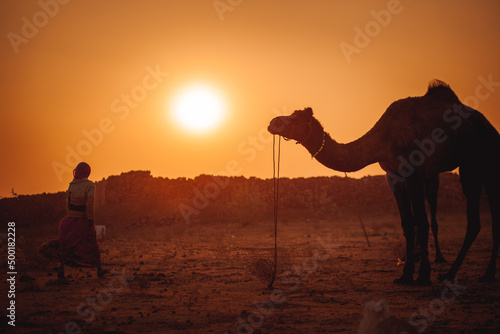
(77, 244)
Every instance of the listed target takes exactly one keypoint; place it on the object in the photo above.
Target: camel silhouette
(417, 138)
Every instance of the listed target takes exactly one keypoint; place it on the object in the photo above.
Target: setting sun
(198, 108)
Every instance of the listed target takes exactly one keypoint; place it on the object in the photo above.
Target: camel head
(297, 126)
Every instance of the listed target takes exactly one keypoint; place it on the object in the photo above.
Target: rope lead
(276, 183)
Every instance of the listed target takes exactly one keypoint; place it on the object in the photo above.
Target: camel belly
(423, 160)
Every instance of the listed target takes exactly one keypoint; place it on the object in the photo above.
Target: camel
(417, 137)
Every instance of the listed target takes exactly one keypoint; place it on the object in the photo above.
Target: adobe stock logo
(250, 147)
(30, 28)
(373, 28)
(453, 118)
(222, 6)
(122, 107)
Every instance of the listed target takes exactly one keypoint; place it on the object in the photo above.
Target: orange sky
(65, 69)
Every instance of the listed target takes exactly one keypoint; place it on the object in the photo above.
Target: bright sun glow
(198, 108)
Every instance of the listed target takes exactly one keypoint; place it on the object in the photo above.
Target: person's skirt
(76, 246)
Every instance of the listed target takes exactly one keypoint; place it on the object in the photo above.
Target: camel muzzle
(276, 126)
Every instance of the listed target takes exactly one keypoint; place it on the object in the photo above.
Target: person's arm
(90, 202)
(68, 196)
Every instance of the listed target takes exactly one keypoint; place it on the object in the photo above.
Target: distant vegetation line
(136, 197)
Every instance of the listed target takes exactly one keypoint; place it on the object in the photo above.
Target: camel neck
(347, 157)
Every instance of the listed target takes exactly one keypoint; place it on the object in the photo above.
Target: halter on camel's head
(297, 126)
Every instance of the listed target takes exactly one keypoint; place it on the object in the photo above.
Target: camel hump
(442, 89)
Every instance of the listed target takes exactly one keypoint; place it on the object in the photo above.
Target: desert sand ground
(204, 279)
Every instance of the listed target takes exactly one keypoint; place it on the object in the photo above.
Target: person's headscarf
(81, 171)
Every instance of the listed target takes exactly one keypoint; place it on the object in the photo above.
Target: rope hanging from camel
(276, 183)
(272, 267)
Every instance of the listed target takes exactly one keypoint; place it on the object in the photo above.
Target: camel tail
(441, 88)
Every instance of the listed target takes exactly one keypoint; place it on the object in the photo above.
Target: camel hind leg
(431, 194)
(492, 187)
(471, 187)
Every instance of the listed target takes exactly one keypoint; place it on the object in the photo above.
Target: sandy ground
(204, 280)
